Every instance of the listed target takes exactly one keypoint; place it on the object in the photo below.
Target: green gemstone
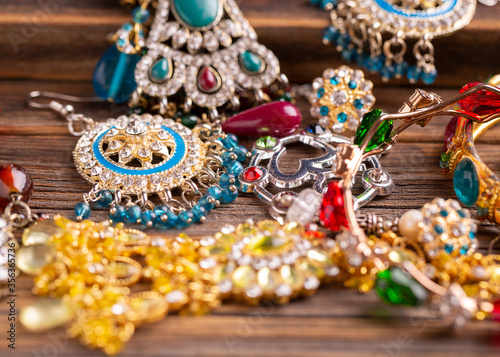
(266, 142)
(466, 182)
(189, 121)
(445, 156)
(382, 134)
(251, 62)
(397, 287)
(197, 13)
(262, 243)
(160, 71)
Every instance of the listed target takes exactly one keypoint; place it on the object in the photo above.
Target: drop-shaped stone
(266, 279)
(382, 134)
(34, 257)
(221, 272)
(244, 276)
(309, 268)
(251, 63)
(114, 75)
(263, 243)
(449, 132)
(197, 13)
(397, 287)
(291, 276)
(41, 232)
(46, 313)
(209, 81)
(319, 256)
(482, 102)
(160, 71)
(14, 179)
(466, 182)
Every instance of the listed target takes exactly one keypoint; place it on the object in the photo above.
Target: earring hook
(62, 109)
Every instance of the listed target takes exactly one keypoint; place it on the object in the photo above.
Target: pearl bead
(408, 224)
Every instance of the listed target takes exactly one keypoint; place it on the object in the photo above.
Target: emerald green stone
(197, 13)
(382, 134)
(160, 71)
(397, 287)
(189, 121)
(466, 182)
(251, 62)
(266, 142)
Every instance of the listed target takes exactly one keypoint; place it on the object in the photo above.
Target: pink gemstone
(275, 119)
(480, 103)
(496, 311)
(209, 80)
(450, 131)
(332, 213)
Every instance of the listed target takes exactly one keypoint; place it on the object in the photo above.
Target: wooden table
(335, 322)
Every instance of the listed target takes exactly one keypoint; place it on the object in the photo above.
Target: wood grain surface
(335, 322)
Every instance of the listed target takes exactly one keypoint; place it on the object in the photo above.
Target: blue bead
(362, 58)
(352, 84)
(472, 235)
(400, 69)
(429, 77)
(358, 103)
(343, 40)
(148, 218)
(315, 2)
(105, 198)
(205, 202)
(114, 75)
(444, 213)
(466, 182)
(140, 15)
(387, 72)
(186, 218)
(119, 215)
(82, 210)
(335, 80)
(330, 34)
(228, 179)
(215, 192)
(160, 211)
(171, 221)
(198, 212)
(438, 229)
(241, 152)
(374, 63)
(414, 73)
(342, 117)
(326, 4)
(349, 55)
(321, 92)
(226, 158)
(464, 249)
(235, 168)
(229, 143)
(229, 196)
(127, 27)
(134, 214)
(448, 248)
(461, 213)
(324, 110)
(234, 138)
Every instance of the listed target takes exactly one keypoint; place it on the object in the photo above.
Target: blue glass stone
(439, 229)
(105, 198)
(226, 158)
(321, 92)
(251, 62)
(160, 211)
(186, 218)
(160, 71)
(444, 213)
(198, 212)
(352, 84)
(119, 215)
(461, 213)
(235, 168)
(241, 152)
(229, 143)
(234, 138)
(413, 73)
(82, 210)
(315, 129)
(464, 249)
(374, 63)
(121, 42)
(228, 196)
(324, 110)
(148, 218)
(358, 103)
(472, 235)
(205, 202)
(315, 2)
(197, 13)
(400, 69)
(448, 248)
(134, 214)
(466, 182)
(127, 27)
(342, 117)
(215, 192)
(343, 40)
(171, 221)
(140, 15)
(387, 72)
(228, 179)
(349, 55)
(326, 4)
(335, 80)
(429, 77)
(362, 58)
(114, 75)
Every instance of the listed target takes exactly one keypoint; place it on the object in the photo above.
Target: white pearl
(408, 224)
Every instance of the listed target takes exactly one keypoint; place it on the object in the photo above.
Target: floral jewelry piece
(375, 33)
(202, 53)
(340, 98)
(132, 158)
(474, 182)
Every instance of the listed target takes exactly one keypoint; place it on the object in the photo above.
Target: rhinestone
(207, 241)
(84, 149)
(85, 158)
(117, 180)
(112, 132)
(343, 71)
(180, 38)
(311, 283)
(106, 175)
(328, 73)
(366, 86)
(90, 164)
(155, 179)
(479, 272)
(166, 179)
(175, 296)
(337, 128)
(254, 291)
(162, 134)
(125, 152)
(284, 290)
(427, 238)
(332, 271)
(96, 171)
(118, 309)
(143, 152)
(128, 181)
(459, 229)
(115, 145)
(357, 75)
(141, 182)
(339, 98)
(225, 286)
(136, 128)
(194, 42)
(207, 263)
(156, 146)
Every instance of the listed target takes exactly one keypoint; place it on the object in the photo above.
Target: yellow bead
(34, 257)
(291, 276)
(46, 313)
(243, 276)
(266, 279)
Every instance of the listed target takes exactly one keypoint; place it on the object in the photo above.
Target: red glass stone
(276, 119)
(332, 213)
(496, 311)
(450, 131)
(252, 174)
(480, 103)
(14, 179)
(208, 80)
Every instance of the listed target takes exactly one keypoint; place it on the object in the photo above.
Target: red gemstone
(450, 131)
(496, 311)
(14, 179)
(480, 103)
(332, 214)
(252, 174)
(208, 80)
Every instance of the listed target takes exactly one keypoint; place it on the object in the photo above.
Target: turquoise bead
(82, 210)
(324, 110)
(140, 15)
(119, 215)
(198, 213)
(105, 198)
(414, 73)
(205, 202)
(429, 77)
(342, 117)
(466, 182)
(235, 168)
(227, 158)
(171, 220)
(160, 71)
(228, 179)
(241, 152)
(251, 62)
(197, 13)
(229, 196)
(148, 218)
(134, 214)
(186, 218)
(215, 192)
(114, 75)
